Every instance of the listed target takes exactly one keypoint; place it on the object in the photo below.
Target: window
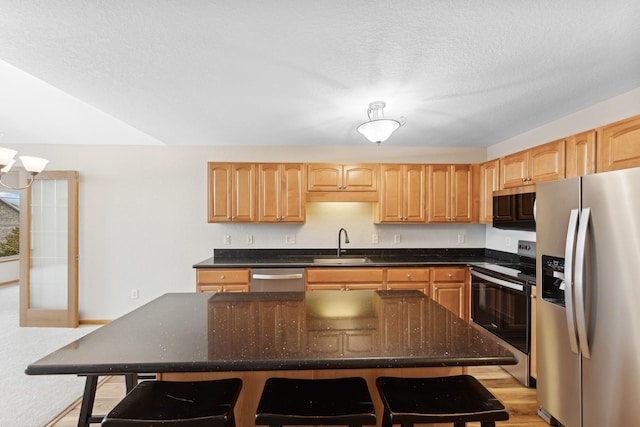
(9, 223)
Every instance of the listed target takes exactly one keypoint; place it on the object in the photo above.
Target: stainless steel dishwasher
(277, 280)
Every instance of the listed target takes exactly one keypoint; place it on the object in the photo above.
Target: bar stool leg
(88, 398)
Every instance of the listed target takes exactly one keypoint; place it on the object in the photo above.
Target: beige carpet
(27, 400)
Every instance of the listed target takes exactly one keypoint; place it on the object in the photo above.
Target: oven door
(502, 307)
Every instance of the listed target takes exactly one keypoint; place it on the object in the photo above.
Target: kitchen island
(258, 335)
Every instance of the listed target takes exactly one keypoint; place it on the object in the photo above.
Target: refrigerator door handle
(580, 279)
(568, 279)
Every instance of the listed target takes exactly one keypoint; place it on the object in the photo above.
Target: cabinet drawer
(223, 276)
(408, 275)
(449, 274)
(344, 275)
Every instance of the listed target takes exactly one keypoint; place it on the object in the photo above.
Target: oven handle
(506, 284)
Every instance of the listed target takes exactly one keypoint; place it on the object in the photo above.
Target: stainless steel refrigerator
(588, 311)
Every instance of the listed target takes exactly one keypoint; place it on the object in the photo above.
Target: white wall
(143, 215)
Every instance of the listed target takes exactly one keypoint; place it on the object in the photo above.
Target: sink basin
(340, 260)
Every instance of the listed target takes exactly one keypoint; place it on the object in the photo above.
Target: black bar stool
(457, 399)
(335, 401)
(184, 404)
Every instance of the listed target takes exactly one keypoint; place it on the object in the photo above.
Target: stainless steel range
(501, 304)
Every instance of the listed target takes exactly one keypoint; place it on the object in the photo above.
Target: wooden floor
(519, 400)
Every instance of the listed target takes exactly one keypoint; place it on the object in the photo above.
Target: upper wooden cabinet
(581, 154)
(619, 145)
(342, 182)
(281, 197)
(402, 194)
(232, 190)
(489, 182)
(538, 164)
(450, 193)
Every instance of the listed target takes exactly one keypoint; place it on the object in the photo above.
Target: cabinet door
(232, 192)
(450, 295)
(243, 192)
(546, 162)
(390, 207)
(293, 203)
(281, 197)
(324, 177)
(489, 182)
(449, 288)
(450, 193)
(219, 192)
(270, 197)
(402, 194)
(461, 193)
(414, 196)
(439, 193)
(359, 177)
(514, 169)
(619, 145)
(581, 154)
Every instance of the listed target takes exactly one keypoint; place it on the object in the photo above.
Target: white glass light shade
(6, 156)
(33, 164)
(378, 130)
(7, 168)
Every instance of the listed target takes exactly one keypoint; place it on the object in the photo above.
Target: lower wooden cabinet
(344, 278)
(222, 280)
(449, 287)
(409, 279)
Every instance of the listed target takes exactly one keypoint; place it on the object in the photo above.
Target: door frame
(69, 316)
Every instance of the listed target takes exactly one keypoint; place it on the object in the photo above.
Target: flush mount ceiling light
(378, 129)
(33, 165)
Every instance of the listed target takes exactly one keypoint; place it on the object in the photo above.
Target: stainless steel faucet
(346, 239)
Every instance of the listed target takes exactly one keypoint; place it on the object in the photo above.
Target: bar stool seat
(184, 404)
(335, 401)
(456, 399)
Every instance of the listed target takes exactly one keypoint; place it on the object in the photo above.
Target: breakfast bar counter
(257, 335)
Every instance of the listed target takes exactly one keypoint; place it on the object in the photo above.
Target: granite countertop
(197, 332)
(282, 258)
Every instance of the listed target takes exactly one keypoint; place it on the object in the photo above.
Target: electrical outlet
(374, 238)
(290, 239)
(227, 240)
(507, 241)
(397, 238)
(460, 238)
(249, 239)
(134, 294)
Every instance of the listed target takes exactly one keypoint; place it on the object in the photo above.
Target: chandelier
(379, 129)
(33, 165)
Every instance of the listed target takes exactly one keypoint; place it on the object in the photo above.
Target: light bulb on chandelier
(379, 129)
(33, 165)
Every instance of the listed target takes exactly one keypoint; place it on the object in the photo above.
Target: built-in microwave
(514, 209)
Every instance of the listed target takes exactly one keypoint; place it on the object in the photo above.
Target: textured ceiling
(297, 72)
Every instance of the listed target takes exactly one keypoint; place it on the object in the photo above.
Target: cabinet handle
(222, 276)
(408, 276)
(450, 275)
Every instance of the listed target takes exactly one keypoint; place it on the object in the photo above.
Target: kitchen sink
(340, 260)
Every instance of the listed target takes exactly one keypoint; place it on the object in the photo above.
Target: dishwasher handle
(294, 276)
